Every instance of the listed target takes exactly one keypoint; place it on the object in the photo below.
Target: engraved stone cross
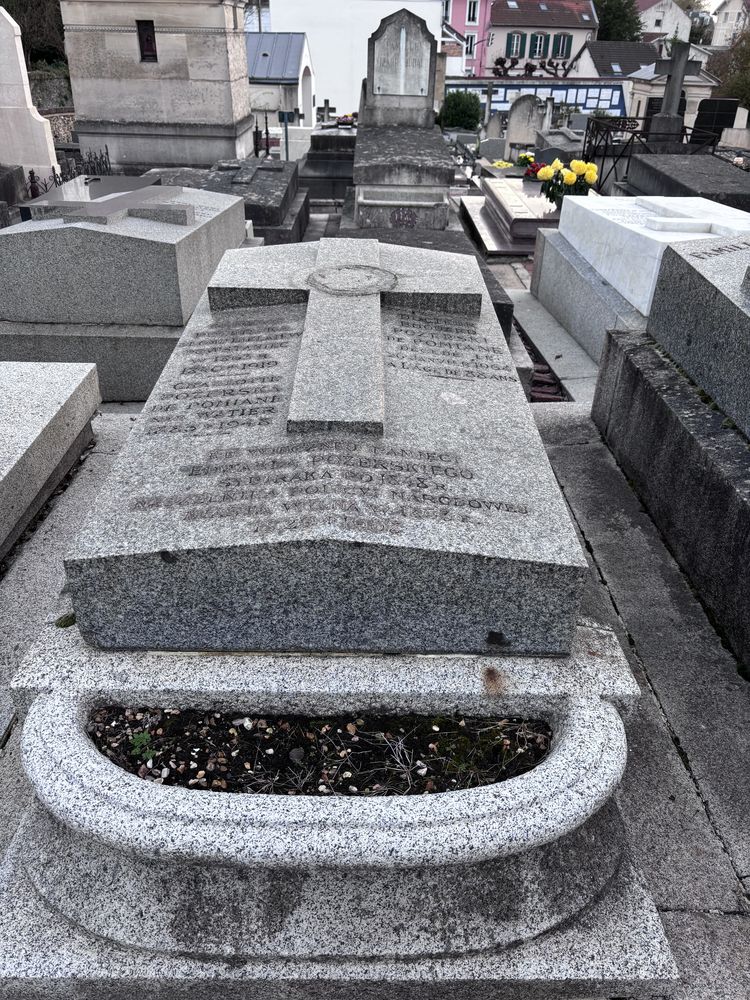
(338, 383)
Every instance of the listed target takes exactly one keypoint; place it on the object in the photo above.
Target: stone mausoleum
(159, 83)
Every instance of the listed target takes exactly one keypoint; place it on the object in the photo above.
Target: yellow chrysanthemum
(546, 174)
(557, 164)
(569, 177)
(578, 167)
(591, 166)
(501, 164)
(591, 176)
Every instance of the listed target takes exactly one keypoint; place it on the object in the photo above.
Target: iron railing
(90, 164)
(611, 142)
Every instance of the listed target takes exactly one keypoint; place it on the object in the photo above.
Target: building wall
(265, 96)
(337, 31)
(667, 18)
(499, 44)
(642, 90)
(588, 95)
(200, 75)
(731, 19)
(471, 18)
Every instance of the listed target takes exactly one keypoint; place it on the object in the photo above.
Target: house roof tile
(544, 13)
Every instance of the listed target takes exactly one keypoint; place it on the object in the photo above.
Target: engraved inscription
(357, 485)
(720, 251)
(443, 348)
(225, 380)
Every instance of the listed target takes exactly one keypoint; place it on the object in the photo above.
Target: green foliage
(732, 67)
(41, 27)
(460, 110)
(619, 21)
(140, 745)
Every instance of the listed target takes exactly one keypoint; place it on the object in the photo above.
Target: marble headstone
(624, 238)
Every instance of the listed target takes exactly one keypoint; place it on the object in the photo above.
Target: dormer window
(616, 68)
(513, 4)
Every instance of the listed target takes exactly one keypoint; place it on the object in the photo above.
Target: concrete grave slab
(258, 476)
(701, 316)
(45, 423)
(117, 291)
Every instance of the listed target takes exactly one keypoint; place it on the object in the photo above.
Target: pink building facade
(471, 18)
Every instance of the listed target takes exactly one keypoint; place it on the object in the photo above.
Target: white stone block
(26, 136)
(624, 238)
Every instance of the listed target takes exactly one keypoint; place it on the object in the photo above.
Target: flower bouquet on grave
(532, 171)
(502, 164)
(525, 160)
(559, 180)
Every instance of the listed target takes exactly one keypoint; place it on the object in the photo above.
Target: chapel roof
(274, 56)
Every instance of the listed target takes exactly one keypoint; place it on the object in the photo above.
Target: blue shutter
(509, 43)
(556, 46)
(545, 50)
(522, 50)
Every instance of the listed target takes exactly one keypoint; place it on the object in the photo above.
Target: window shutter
(509, 44)
(545, 50)
(522, 50)
(568, 45)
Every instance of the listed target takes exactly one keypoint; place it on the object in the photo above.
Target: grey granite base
(522, 889)
(577, 296)
(616, 948)
(129, 359)
(45, 422)
(56, 476)
(691, 471)
(293, 226)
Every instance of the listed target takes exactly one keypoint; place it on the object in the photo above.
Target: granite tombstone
(121, 276)
(402, 167)
(362, 475)
(338, 457)
(701, 316)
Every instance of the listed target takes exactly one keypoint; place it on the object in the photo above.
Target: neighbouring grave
(112, 281)
(270, 189)
(327, 169)
(677, 175)
(688, 464)
(338, 458)
(507, 216)
(527, 116)
(701, 316)
(402, 166)
(45, 424)
(599, 270)
(26, 136)
(558, 144)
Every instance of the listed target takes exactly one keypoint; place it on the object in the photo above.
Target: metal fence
(90, 164)
(611, 142)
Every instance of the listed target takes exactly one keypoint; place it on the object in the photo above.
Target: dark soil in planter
(296, 755)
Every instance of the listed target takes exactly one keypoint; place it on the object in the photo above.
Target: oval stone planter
(175, 869)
